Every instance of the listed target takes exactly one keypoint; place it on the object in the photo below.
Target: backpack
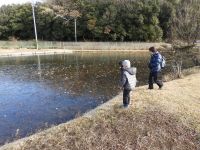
(163, 62)
(131, 80)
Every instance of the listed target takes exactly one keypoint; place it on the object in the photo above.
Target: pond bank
(80, 45)
(33, 52)
(156, 119)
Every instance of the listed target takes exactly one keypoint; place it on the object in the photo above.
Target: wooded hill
(97, 20)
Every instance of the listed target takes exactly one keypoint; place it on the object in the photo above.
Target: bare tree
(185, 31)
(186, 22)
(67, 10)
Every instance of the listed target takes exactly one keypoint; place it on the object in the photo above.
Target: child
(127, 80)
(155, 68)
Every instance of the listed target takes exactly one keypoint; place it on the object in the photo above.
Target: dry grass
(185, 72)
(157, 119)
(80, 45)
(119, 129)
(192, 70)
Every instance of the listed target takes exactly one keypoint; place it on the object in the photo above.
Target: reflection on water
(39, 91)
(39, 68)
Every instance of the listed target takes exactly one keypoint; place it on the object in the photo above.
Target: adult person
(155, 68)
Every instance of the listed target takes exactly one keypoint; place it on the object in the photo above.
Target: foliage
(97, 20)
(186, 22)
(185, 30)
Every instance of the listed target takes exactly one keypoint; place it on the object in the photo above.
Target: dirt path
(156, 119)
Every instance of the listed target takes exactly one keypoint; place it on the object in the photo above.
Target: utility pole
(75, 26)
(75, 30)
(35, 27)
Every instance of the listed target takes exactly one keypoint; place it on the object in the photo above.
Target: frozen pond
(37, 92)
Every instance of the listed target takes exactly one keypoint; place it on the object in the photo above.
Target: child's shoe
(126, 106)
(160, 88)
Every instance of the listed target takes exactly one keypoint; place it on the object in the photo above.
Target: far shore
(27, 48)
(32, 52)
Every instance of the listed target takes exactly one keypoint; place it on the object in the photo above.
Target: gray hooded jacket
(128, 78)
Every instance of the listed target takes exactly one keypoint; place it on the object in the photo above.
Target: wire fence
(79, 45)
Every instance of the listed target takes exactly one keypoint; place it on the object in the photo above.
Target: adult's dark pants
(153, 77)
(126, 97)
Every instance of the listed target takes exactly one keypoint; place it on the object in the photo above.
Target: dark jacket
(155, 62)
(128, 78)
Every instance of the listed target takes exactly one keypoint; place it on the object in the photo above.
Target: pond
(37, 92)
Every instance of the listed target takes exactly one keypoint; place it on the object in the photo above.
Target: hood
(156, 53)
(131, 71)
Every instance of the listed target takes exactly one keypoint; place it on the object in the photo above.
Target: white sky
(6, 2)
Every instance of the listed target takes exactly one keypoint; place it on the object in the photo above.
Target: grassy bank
(33, 52)
(79, 45)
(156, 119)
(27, 48)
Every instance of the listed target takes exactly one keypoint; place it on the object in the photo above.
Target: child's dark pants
(126, 97)
(153, 77)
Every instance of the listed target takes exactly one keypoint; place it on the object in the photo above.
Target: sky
(6, 2)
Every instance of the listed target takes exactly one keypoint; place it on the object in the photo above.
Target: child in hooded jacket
(155, 68)
(128, 80)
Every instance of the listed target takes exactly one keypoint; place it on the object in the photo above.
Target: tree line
(97, 20)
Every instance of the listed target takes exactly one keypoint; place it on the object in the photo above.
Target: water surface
(40, 91)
